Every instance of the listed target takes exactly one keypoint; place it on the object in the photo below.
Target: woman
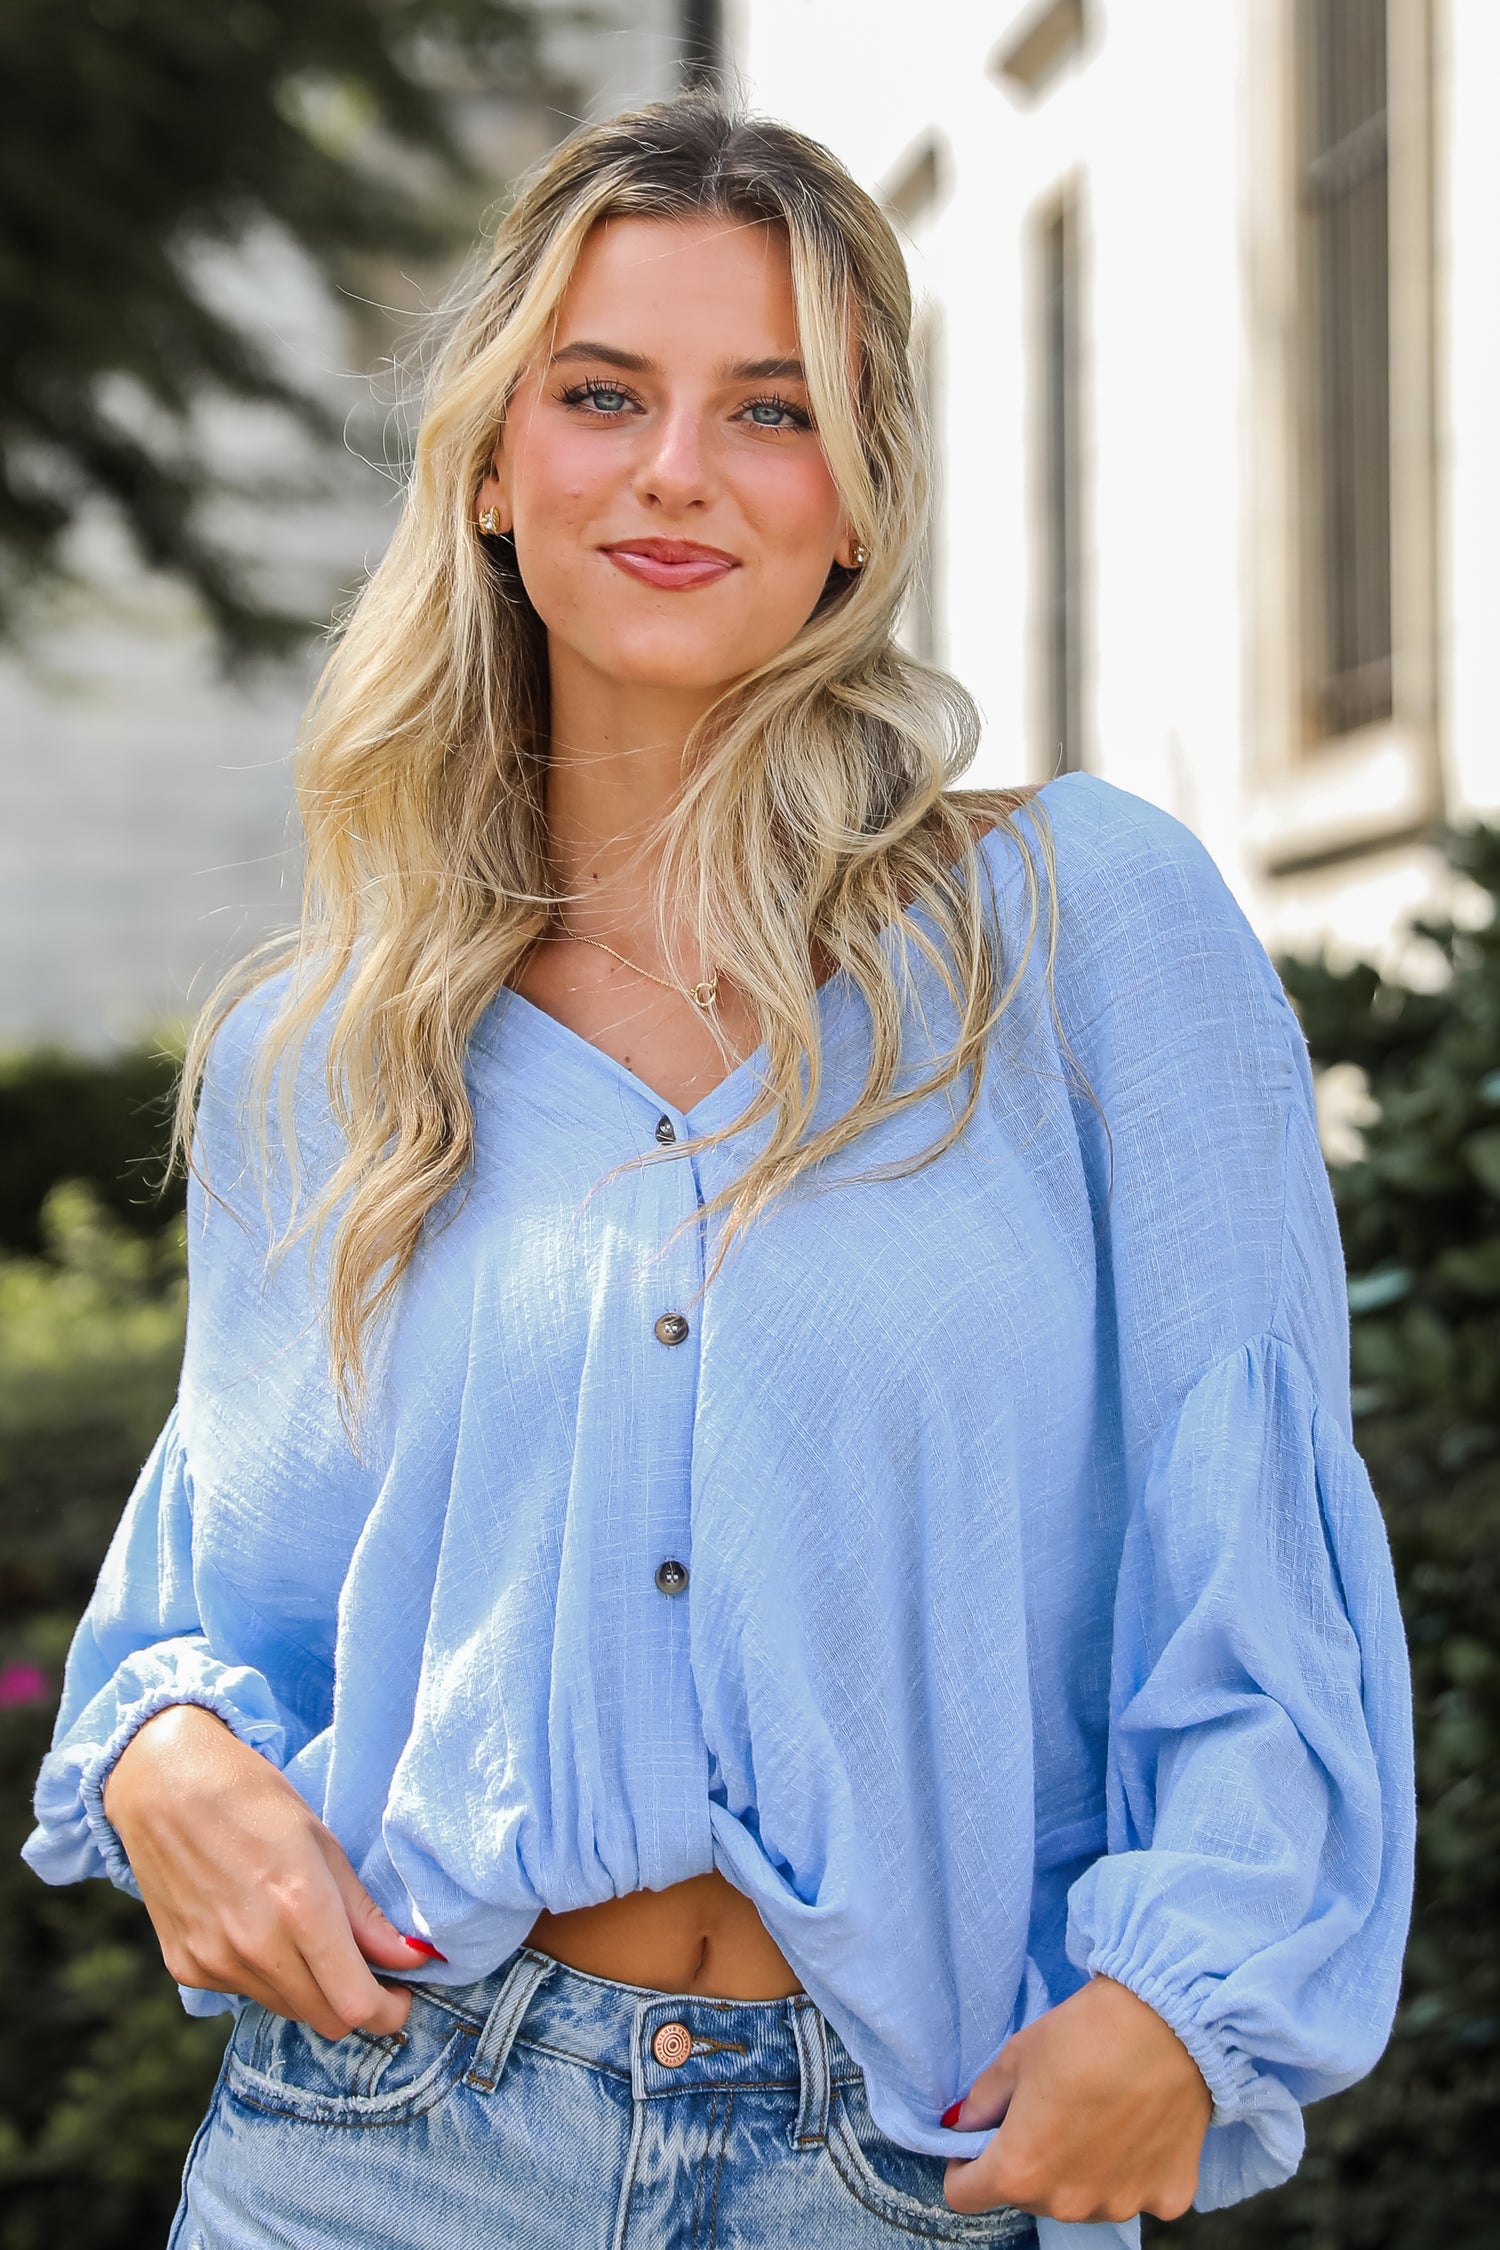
(759, 1568)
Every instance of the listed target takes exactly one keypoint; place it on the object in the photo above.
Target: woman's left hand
(1102, 2113)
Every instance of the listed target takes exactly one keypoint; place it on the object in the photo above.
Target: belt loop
(527, 1973)
(811, 2127)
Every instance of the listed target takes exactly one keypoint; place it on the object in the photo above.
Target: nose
(674, 471)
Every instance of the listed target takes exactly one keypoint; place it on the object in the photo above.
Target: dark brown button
(671, 1328)
(671, 1576)
(666, 1131)
(672, 2045)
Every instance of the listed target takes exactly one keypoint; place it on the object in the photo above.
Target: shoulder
(1143, 914)
(241, 1108)
(241, 1042)
(1156, 977)
(240, 1037)
(1118, 853)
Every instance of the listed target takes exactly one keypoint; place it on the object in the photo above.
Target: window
(1061, 559)
(1346, 476)
(912, 196)
(1341, 526)
(921, 630)
(702, 41)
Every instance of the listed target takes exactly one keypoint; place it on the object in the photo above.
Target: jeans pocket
(290, 2070)
(904, 2188)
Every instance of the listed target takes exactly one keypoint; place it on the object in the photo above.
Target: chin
(674, 667)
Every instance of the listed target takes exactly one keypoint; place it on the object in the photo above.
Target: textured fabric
(1040, 1617)
(535, 2109)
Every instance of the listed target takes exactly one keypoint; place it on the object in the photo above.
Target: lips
(677, 564)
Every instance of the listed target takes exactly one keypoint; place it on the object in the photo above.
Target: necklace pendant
(706, 993)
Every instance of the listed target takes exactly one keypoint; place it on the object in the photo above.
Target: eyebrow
(635, 363)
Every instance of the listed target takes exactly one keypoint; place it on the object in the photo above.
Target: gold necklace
(704, 994)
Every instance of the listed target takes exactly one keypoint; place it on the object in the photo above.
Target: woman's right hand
(247, 1890)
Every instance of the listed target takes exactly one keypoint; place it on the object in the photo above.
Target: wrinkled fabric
(1040, 1619)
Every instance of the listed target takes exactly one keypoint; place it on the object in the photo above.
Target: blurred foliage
(102, 2078)
(65, 1117)
(1410, 2159)
(90, 1343)
(138, 135)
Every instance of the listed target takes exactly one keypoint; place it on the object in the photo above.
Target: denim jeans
(546, 2108)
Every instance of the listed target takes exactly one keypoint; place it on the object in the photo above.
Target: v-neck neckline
(572, 1044)
(589, 1052)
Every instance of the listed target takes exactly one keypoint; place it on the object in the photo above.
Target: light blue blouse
(1039, 1620)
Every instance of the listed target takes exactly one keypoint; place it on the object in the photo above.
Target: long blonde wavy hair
(817, 809)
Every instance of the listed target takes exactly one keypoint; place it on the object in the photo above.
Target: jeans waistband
(665, 2044)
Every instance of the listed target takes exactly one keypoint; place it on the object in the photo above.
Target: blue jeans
(558, 2111)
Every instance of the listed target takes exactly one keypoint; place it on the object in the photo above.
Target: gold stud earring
(859, 556)
(489, 522)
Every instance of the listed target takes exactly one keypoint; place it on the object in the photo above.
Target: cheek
(558, 474)
(796, 515)
(558, 487)
(794, 507)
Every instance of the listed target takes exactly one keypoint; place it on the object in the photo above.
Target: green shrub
(102, 2076)
(90, 1345)
(65, 1117)
(1410, 2159)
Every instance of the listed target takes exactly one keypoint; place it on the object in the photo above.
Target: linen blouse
(1033, 1616)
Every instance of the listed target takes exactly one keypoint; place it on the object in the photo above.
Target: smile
(675, 563)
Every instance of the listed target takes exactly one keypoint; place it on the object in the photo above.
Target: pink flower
(22, 1682)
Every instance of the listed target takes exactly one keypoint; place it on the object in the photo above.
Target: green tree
(1410, 2159)
(137, 135)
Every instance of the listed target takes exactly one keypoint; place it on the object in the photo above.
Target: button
(671, 1328)
(671, 1576)
(672, 2045)
(666, 1132)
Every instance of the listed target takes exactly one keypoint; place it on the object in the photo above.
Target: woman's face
(674, 516)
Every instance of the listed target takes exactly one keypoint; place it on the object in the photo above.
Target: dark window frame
(1344, 196)
(1060, 303)
(702, 41)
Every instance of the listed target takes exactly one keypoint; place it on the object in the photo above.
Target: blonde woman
(759, 1569)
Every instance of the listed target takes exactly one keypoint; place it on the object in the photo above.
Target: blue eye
(777, 414)
(608, 399)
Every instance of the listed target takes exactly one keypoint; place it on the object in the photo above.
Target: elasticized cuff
(259, 1733)
(1228, 2072)
(1255, 2134)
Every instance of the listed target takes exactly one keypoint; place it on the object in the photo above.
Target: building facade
(1209, 311)
(1210, 335)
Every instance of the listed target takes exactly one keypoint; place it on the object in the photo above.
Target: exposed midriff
(698, 1936)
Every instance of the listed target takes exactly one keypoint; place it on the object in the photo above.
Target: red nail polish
(950, 2114)
(420, 1945)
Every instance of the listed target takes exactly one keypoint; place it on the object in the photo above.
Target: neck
(614, 768)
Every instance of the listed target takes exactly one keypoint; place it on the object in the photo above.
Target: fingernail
(950, 2114)
(420, 1945)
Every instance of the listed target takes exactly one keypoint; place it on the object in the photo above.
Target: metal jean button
(672, 2045)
